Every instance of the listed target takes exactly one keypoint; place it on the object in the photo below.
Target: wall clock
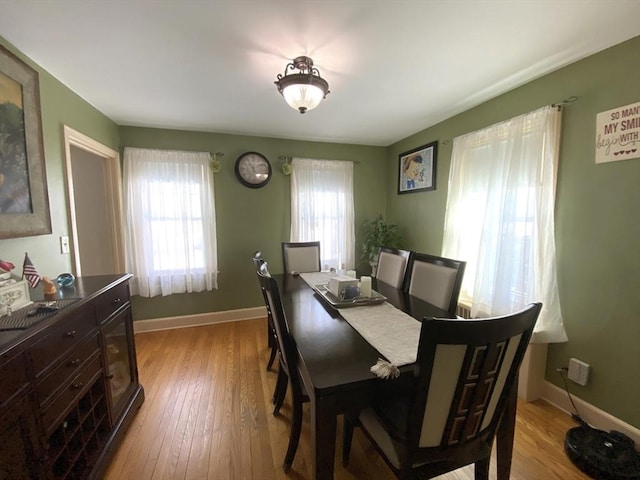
(253, 170)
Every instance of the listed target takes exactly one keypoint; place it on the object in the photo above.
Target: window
(500, 218)
(170, 215)
(322, 209)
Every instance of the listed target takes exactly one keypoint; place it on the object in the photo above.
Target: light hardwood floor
(208, 415)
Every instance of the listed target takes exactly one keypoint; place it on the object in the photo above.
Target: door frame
(114, 194)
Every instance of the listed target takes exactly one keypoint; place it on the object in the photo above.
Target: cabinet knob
(70, 334)
(117, 300)
(74, 362)
(77, 386)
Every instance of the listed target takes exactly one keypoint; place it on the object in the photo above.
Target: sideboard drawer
(13, 375)
(69, 367)
(112, 300)
(71, 390)
(67, 334)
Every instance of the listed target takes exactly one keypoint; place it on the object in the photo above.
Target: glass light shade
(305, 90)
(303, 97)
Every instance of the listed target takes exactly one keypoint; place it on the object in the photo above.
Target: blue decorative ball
(65, 279)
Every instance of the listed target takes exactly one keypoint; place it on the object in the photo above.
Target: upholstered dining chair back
(465, 371)
(288, 361)
(301, 257)
(436, 280)
(258, 260)
(286, 343)
(392, 266)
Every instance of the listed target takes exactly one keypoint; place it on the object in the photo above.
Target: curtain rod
(567, 101)
(288, 158)
(559, 105)
(213, 155)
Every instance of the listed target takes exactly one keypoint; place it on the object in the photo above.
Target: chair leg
(272, 357)
(280, 390)
(482, 469)
(347, 437)
(294, 438)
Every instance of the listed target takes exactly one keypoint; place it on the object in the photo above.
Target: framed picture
(24, 201)
(417, 169)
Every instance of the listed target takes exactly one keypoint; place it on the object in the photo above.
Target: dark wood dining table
(335, 362)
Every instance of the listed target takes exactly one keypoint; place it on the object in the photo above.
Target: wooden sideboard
(69, 384)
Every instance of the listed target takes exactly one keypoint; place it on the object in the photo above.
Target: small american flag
(29, 272)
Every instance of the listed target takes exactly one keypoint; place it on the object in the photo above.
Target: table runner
(389, 330)
(317, 278)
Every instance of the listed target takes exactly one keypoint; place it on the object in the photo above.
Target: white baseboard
(592, 415)
(197, 320)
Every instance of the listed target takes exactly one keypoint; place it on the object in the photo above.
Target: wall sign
(618, 134)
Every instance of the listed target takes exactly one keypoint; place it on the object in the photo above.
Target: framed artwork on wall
(417, 169)
(24, 201)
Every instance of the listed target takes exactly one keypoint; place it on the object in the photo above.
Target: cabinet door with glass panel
(119, 352)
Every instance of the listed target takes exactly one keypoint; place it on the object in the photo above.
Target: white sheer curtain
(322, 209)
(500, 218)
(171, 222)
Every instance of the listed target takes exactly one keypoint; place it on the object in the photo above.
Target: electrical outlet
(578, 371)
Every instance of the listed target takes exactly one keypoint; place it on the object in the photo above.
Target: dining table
(335, 363)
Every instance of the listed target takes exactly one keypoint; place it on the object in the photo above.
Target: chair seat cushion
(376, 430)
(393, 412)
(432, 458)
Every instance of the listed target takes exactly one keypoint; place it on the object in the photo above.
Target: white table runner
(389, 330)
(317, 278)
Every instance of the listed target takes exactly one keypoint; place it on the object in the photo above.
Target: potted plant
(378, 233)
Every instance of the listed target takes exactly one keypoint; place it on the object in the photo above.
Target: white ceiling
(393, 67)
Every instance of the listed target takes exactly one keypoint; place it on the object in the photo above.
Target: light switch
(64, 244)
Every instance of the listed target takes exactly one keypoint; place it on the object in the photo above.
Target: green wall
(597, 220)
(59, 107)
(253, 219)
(598, 225)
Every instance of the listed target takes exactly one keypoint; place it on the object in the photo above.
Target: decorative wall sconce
(305, 90)
(214, 164)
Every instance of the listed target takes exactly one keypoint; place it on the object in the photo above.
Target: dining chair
(272, 342)
(447, 415)
(301, 257)
(436, 280)
(288, 370)
(392, 266)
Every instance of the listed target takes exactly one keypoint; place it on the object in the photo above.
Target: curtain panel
(171, 223)
(500, 218)
(322, 209)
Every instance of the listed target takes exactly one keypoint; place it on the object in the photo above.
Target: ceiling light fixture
(304, 90)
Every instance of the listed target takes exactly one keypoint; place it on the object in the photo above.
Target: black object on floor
(602, 455)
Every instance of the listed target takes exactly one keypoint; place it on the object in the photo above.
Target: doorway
(95, 205)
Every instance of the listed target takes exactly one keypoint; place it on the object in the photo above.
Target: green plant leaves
(378, 234)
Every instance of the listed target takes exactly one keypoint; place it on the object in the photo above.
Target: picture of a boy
(413, 170)
(416, 169)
